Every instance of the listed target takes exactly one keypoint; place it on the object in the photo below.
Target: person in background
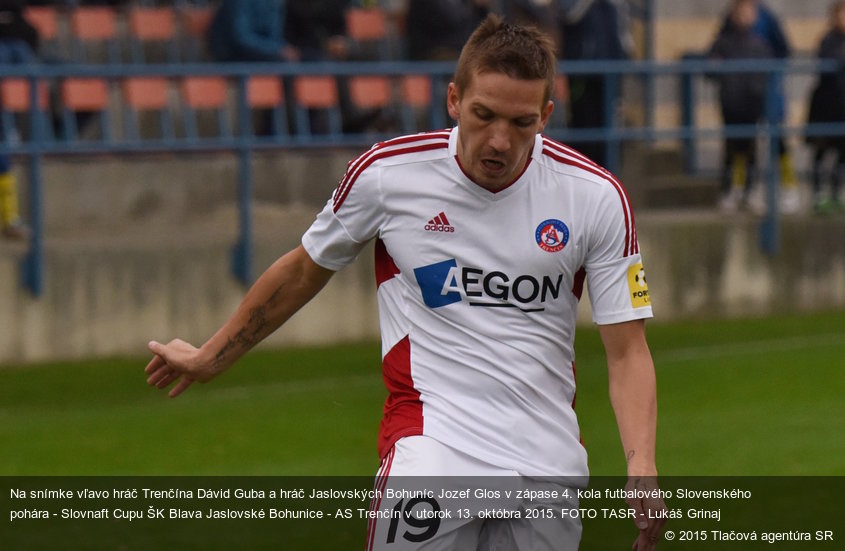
(18, 45)
(250, 30)
(318, 29)
(741, 100)
(592, 30)
(13, 226)
(827, 105)
(767, 26)
(438, 29)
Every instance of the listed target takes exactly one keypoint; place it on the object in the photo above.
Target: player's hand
(174, 361)
(650, 512)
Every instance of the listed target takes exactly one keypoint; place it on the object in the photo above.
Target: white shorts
(430, 497)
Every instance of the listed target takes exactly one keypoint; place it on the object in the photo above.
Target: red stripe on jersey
(375, 503)
(403, 414)
(578, 282)
(445, 220)
(383, 150)
(386, 268)
(569, 156)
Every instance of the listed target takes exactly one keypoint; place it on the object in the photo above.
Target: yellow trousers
(8, 199)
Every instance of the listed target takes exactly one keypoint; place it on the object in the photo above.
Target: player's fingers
(657, 518)
(167, 379)
(181, 387)
(639, 513)
(154, 364)
(156, 376)
(645, 542)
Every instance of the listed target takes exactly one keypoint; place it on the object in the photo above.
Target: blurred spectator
(18, 38)
(12, 226)
(742, 98)
(250, 30)
(767, 26)
(438, 29)
(541, 14)
(592, 30)
(318, 29)
(827, 104)
(18, 44)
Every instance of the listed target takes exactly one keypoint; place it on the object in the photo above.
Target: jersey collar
(474, 187)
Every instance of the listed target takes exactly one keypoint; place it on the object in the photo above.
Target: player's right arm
(279, 292)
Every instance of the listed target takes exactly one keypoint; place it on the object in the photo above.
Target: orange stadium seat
(367, 29)
(94, 35)
(265, 92)
(194, 22)
(418, 111)
(152, 34)
(369, 92)
(85, 97)
(146, 96)
(317, 94)
(45, 19)
(15, 102)
(204, 97)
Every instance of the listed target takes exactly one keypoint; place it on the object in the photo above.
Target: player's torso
(484, 291)
(463, 249)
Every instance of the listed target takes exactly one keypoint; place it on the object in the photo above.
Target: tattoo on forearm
(250, 335)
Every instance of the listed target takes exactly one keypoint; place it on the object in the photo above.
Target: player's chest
(520, 233)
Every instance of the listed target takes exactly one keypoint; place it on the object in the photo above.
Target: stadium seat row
(189, 107)
(162, 34)
(86, 34)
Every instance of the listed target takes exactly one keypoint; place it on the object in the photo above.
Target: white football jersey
(478, 291)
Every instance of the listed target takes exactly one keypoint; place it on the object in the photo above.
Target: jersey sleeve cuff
(621, 317)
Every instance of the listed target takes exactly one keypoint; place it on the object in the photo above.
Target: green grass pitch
(742, 397)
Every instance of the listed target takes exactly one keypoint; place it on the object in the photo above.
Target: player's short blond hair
(520, 52)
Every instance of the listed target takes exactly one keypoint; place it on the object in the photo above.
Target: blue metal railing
(244, 142)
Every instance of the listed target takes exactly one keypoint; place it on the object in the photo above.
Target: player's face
(499, 117)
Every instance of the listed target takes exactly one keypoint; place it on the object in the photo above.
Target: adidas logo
(440, 223)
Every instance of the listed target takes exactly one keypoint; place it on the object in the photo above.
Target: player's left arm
(633, 395)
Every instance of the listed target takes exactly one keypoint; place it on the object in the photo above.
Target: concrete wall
(139, 250)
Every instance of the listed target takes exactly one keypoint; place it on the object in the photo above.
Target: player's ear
(453, 101)
(546, 114)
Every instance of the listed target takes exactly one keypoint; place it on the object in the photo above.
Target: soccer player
(484, 236)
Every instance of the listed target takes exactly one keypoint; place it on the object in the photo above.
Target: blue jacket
(767, 27)
(247, 30)
(597, 34)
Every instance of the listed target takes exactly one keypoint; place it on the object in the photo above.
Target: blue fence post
(32, 265)
(688, 116)
(770, 226)
(242, 252)
(650, 17)
(612, 142)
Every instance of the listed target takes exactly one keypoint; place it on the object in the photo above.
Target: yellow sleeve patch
(637, 286)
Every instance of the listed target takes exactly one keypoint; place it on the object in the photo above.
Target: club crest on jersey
(552, 235)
